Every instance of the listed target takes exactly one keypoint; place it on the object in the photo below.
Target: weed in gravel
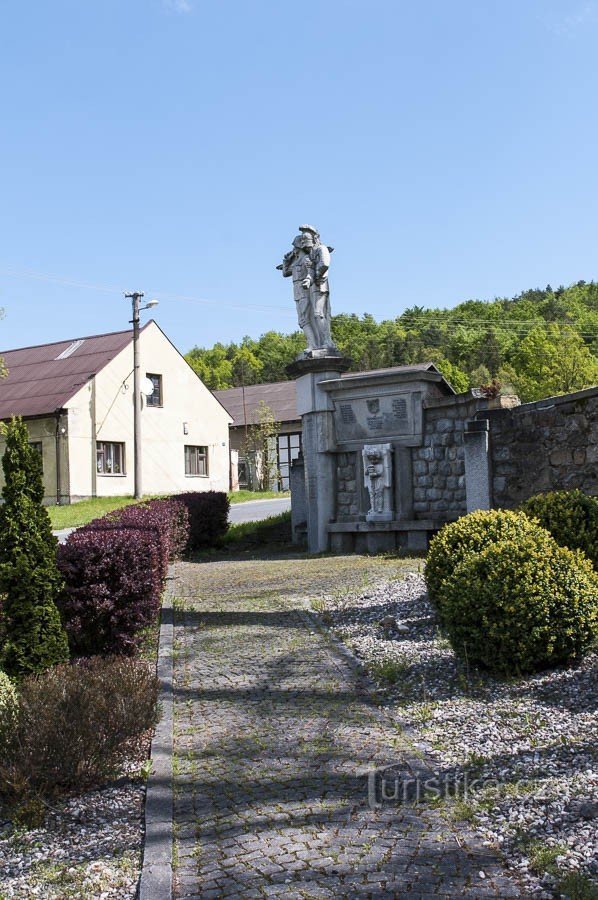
(543, 857)
(576, 886)
(390, 670)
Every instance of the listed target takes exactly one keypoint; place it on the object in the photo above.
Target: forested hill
(540, 343)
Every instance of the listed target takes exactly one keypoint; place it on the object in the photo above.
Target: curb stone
(156, 872)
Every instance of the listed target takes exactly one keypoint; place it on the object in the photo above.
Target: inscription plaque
(383, 416)
(347, 414)
(399, 408)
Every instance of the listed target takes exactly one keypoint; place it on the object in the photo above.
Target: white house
(76, 398)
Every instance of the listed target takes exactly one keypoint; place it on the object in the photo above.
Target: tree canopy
(539, 343)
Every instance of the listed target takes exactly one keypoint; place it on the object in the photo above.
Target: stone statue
(377, 476)
(308, 263)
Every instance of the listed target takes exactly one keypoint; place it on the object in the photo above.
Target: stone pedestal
(477, 465)
(298, 499)
(316, 410)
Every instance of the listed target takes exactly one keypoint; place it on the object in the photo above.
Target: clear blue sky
(446, 150)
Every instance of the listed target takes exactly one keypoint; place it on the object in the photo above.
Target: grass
(81, 513)
(76, 514)
(271, 531)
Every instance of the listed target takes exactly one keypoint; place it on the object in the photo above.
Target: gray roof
(280, 396)
(42, 379)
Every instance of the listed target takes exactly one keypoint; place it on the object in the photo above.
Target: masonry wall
(348, 494)
(439, 465)
(548, 445)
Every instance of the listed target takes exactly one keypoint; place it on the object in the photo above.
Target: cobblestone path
(274, 736)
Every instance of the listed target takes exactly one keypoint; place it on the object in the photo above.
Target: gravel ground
(528, 744)
(88, 846)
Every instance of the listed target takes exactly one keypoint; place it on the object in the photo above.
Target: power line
(443, 317)
(111, 289)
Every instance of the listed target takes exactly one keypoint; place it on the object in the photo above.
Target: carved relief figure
(377, 475)
(308, 263)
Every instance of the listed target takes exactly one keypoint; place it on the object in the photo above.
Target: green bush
(521, 604)
(76, 724)
(570, 516)
(8, 708)
(470, 534)
(31, 635)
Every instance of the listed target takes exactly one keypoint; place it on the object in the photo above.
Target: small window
(38, 447)
(155, 398)
(196, 460)
(110, 458)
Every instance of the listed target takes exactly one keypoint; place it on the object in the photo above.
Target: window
(155, 398)
(196, 460)
(110, 458)
(289, 448)
(38, 447)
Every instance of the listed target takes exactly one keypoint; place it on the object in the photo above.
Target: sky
(445, 150)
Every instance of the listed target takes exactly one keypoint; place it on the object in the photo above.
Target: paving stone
(275, 732)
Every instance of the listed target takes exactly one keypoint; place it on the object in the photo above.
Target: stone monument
(307, 263)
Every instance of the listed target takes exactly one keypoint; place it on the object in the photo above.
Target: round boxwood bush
(521, 605)
(470, 534)
(570, 516)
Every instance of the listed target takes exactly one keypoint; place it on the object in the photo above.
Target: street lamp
(136, 297)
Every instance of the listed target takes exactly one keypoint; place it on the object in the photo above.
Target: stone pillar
(477, 465)
(316, 410)
(298, 499)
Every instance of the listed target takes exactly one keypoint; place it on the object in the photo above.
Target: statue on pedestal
(308, 263)
(377, 476)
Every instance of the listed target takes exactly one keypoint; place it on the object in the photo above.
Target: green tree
(247, 367)
(213, 366)
(31, 635)
(260, 448)
(553, 360)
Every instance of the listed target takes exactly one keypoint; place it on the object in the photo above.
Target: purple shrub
(208, 517)
(114, 581)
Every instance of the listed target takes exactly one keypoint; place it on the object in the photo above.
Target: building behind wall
(76, 398)
(243, 404)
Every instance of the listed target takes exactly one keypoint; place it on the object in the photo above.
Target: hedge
(114, 579)
(115, 567)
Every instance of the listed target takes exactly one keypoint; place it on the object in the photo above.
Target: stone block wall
(548, 445)
(439, 466)
(348, 489)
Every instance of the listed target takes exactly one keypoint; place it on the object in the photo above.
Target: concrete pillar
(404, 483)
(316, 410)
(298, 498)
(477, 465)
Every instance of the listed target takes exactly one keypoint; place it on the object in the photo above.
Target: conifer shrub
(31, 634)
(520, 604)
(113, 583)
(570, 516)
(76, 724)
(470, 535)
(208, 517)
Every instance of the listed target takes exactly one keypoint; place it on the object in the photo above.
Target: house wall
(103, 411)
(43, 430)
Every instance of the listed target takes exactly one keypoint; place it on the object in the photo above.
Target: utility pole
(136, 297)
